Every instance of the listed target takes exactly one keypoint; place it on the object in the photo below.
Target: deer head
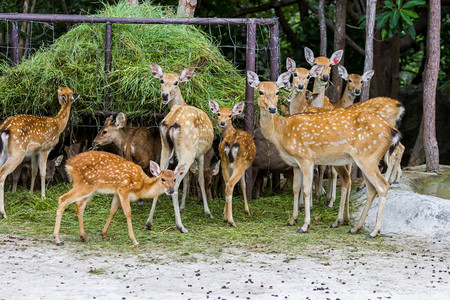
(111, 131)
(167, 177)
(225, 114)
(354, 81)
(302, 75)
(325, 61)
(170, 84)
(66, 96)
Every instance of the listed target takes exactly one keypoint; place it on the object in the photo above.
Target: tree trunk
(23, 28)
(339, 43)
(371, 8)
(430, 84)
(186, 8)
(418, 153)
(323, 28)
(395, 83)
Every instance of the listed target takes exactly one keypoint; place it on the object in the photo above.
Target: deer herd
(314, 133)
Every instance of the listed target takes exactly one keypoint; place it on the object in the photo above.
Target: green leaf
(413, 3)
(382, 19)
(412, 31)
(362, 21)
(389, 4)
(411, 13)
(383, 33)
(399, 3)
(406, 18)
(393, 19)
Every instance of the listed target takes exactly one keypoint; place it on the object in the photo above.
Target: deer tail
(4, 140)
(396, 136)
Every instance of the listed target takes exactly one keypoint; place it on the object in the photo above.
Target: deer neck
(346, 99)
(152, 187)
(271, 125)
(298, 102)
(63, 116)
(118, 139)
(229, 130)
(318, 88)
(177, 99)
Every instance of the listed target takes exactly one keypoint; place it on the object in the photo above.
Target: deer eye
(175, 83)
(162, 81)
(361, 81)
(277, 92)
(295, 74)
(308, 76)
(175, 180)
(229, 116)
(218, 114)
(105, 132)
(261, 92)
(163, 179)
(349, 80)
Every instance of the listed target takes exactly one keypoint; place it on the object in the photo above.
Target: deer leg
(226, 179)
(11, 163)
(43, 170)
(320, 185)
(126, 207)
(186, 181)
(296, 189)
(149, 222)
(34, 170)
(238, 173)
(346, 185)
(201, 180)
(115, 204)
(75, 194)
(81, 205)
(16, 174)
(332, 186)
(242, 183)
(307, 169)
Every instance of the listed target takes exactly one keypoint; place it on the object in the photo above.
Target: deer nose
(165, 96)
(301, 86)
(272, 109)
(357, 92)
(170, 191)
(222, 124)
(325, 77)
(94, 144)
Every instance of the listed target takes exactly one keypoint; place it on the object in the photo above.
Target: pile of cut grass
(263, 231)
(77, 58)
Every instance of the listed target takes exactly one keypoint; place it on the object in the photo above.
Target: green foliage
(76, 59)
(398, 16)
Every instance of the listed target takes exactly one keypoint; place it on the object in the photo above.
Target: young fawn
(26, 135)
(335, 137)
(237, 152)
(107, 173)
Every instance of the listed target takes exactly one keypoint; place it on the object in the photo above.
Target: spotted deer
(334, 137)
(186, 133)
(27, 135)
(321, 82)
(354, 86)
(21, 172)
(137, 144)
(107, 173)
(237, 152)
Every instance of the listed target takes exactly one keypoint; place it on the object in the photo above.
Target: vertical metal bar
(274, 52)
(249, 94)
(15, 43)
(108, 38)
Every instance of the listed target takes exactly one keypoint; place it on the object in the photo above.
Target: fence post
(249, 94)
(15, 42)
(274, 51)
(108, 42)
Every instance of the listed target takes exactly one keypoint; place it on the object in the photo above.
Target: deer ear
(238, 108)
(109, 120)
(187, 74)
(121, 120)
(179, 170)
(252, 79)
(368, 75)
(290, 65)
(343, 72)
(283, 80)
(156, 71)
(58, 160)
(62, 99)
(216, 168)
(336, 57)
(213, 106)
(316, 70)
(75, 97)
(154, 168)
(309, 56)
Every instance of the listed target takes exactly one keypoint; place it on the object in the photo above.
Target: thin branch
(264, 7)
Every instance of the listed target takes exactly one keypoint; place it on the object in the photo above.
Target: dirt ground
(34, 269)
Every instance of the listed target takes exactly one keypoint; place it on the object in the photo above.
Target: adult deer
(237, 152)
(137, 144)
(321, 82)
(107, 173)
(186, 132)
(329, 138)
(26, 135)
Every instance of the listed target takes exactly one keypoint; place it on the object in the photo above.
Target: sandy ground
(39, 270)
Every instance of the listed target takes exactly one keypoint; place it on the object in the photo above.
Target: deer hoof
(60, 244)
(182, 230)
(148, 226)
(351, 231)
(370, 236)
(208, 215)
(232, 224)
(301, 230)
